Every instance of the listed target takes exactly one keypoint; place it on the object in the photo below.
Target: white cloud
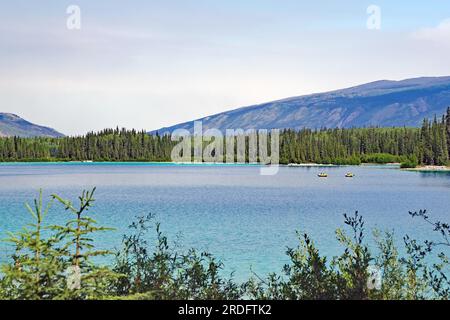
(439, 34)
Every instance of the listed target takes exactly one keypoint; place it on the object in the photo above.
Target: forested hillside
(429, 145)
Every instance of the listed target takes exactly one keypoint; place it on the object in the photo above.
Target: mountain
(382, 103)
(13, 125)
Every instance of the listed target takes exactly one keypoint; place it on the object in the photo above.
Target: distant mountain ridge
(13, 125)
(382, 103)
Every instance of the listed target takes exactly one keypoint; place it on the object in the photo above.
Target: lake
(246, 219)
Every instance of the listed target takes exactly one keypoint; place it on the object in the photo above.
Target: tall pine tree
(447, 126)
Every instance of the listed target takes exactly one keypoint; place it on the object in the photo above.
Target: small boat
(323, 175)
(349, 175)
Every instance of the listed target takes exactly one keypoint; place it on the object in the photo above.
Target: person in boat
(349, 175)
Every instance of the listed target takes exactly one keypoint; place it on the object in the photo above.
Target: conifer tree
(55, 262)
(37, 269)
(88, 279)
(447, 127)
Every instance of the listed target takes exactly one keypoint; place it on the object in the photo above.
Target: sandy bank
(429, 168)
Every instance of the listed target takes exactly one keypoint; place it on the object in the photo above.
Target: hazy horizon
(150, 64)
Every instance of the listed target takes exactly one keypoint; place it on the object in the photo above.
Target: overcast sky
(149, 64)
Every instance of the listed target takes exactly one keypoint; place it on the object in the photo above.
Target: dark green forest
(428, 145)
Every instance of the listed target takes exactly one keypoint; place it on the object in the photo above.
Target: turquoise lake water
(243, 218)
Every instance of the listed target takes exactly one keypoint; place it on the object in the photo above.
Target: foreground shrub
(37, 267)
(309, 276)
(165, 273)
(356, 274)
(57, 262)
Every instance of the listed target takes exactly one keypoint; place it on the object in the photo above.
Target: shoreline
(129, 163)
(292, 165)
(429, 169)
(426, 168)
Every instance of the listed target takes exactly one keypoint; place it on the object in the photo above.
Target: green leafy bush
(56, 262)
(165, 273)
(357, 274)
(411, 162)
(380, 158)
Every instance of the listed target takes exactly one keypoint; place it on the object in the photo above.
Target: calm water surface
(246, 219)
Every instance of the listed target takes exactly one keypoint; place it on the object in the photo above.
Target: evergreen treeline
(428, 145)
(107, 145)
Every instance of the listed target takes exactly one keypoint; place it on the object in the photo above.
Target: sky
(149, 64)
